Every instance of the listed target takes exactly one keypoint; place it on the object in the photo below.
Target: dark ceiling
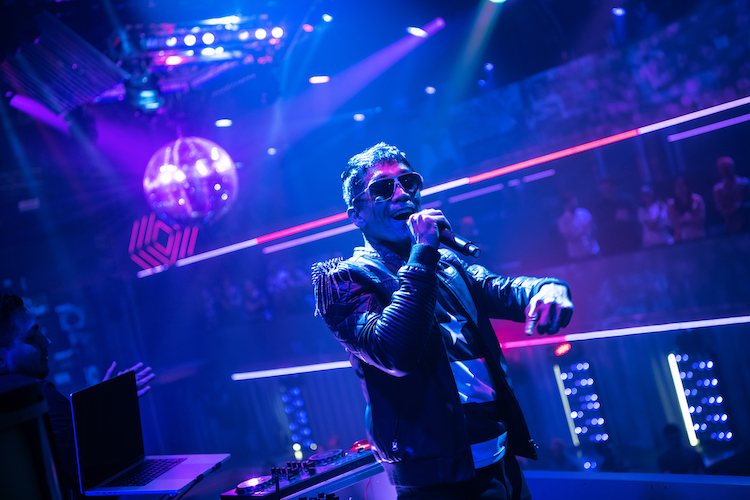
(529, 36)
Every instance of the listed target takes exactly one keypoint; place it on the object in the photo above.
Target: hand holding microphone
(430, 226)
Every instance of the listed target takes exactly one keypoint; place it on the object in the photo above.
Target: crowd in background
(677, 70)
(617, 223)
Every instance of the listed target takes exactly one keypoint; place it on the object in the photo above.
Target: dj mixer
(326, 471)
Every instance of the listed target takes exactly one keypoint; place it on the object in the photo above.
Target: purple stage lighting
(190, 179)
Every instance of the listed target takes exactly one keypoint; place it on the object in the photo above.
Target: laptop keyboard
(146, 472)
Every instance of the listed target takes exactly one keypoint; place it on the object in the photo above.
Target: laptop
(109, 446)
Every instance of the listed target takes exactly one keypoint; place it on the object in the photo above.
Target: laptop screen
(107, 427)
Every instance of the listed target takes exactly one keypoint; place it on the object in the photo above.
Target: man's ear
(3, 360)
(355, 217)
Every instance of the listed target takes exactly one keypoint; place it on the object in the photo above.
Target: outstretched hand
(142, 376)
(549, 310)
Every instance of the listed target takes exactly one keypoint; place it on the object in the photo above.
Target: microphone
(459, 244)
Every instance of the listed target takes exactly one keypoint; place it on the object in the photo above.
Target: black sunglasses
(383, 189)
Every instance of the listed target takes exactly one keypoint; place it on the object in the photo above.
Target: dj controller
(328, 471)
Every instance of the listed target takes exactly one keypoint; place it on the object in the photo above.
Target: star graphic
(454, 327)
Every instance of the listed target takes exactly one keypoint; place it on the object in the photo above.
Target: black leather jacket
(381, 309)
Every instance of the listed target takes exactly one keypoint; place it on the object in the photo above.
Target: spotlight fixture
(412, 30)
(189, 40)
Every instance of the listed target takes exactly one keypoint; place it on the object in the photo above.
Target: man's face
(27, 355)
(383, 221)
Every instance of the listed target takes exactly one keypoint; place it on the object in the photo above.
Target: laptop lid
(109, 442)
(107, 428)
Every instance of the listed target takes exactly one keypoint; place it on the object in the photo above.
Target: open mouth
(403, 214)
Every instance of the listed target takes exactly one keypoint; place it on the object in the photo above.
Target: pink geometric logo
(153, 243)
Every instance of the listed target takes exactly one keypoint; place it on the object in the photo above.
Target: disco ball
(190, 180)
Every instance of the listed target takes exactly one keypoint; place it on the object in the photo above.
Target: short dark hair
(10, 305)
(353, 178)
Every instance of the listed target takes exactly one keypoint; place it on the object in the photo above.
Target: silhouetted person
(24, 357)
(616, 220)
(610, 461)
(732, 196)
(576, 227)
(677, 458)
(559, 458)
(652, 214)
(687, 211)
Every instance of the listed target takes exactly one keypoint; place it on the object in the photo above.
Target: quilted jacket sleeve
(385, 329)
(501, 297)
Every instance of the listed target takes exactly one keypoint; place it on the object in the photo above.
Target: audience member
(560, 459)
(23, 357)
(654, 220)
(732, 196)
(616, 220)
(677, 458)
(610, 461)
(255, 302)
(575, 225)
(687, 211)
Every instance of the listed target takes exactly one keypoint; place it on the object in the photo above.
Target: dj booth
(355, 473)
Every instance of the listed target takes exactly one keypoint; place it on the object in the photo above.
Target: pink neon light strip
(156, 253)
(553, 156)
(307, 239)
(621, 332)
(475, 178)
(149, 229)
(302, 227)
(175, 246)
(185, 239)
(139, 261)
(147, 258)
(142, 232)
(193, 238)
(133, 236)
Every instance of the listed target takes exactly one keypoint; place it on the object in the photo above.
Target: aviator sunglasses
(383, 189)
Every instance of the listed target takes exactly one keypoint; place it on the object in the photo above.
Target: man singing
(441, 415)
